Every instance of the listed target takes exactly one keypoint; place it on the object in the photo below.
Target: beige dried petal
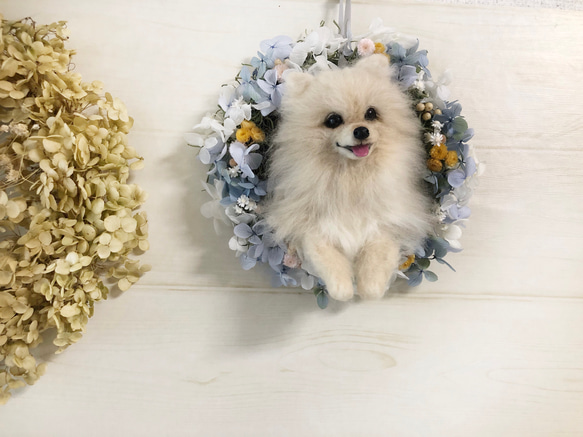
(68, 241)
(6, 86)
(129, 224)
(62, 267)
(112, 223)
(12, 209)
(19, 307)
(6, 313)
(97, 206)
(89, 232)
(51, 146)
(115, 245)
(9, 67)
(45, 238)
(5, 277)
(103, 252)
(137, 165)
(36, 155)
(17, 94)
(27, 314)
(105, 238)
(123, 284)
(85, 260)
(46, 166)
(70, 310)
(82, 246)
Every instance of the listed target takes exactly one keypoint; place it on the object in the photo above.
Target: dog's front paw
(373, 286)
(340, 290)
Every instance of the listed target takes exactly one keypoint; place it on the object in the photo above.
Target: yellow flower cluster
(407, 263)
(249, 131)
(440, 155)
(68, 217)
(379, 47)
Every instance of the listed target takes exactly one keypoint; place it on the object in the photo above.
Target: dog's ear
(297, 83)
(377, 63)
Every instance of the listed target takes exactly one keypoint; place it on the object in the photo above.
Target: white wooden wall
(202, 348)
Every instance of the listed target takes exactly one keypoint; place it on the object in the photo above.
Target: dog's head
(350, 111)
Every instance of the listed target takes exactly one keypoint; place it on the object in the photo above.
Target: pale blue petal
(247, 263)
(456, 178)
(242, 230)
(254, 160)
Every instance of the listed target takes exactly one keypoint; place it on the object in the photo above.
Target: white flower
(448, 201)
(213, 208)
(438, 89)
(322, 63)
(239, 217)
(434, 138)
(213, 148)
(320, 41)
(243, 201)
(239, 245)
(377, 31)
(451, 233)
(290, 68)
(463, 193)
(235, 108)
(419, 84)
(437, 126)
(208, 127)
(245, 204)
(239, 111)
(234, 171)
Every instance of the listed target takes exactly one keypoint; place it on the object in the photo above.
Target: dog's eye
(333, 120)
(370, 114)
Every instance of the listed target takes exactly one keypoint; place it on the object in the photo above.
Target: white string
(344, 16)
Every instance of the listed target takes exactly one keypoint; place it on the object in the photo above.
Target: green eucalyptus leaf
(322, 299)
(423, 263)
(460, 126)
(430, 276)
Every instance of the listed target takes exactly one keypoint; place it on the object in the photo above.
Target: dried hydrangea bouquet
(68, 217)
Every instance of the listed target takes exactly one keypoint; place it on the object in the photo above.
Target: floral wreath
(234, 141)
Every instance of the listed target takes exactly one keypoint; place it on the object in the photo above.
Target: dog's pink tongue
(360, 150)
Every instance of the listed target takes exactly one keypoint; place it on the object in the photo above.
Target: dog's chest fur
(346, 205)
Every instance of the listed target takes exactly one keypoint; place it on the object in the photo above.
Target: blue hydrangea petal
(456, 178)
(242, 230)
(247, 262)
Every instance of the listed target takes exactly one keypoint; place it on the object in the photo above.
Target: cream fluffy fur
(348, 217)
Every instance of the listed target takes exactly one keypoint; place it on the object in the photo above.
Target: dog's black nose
(361, 133)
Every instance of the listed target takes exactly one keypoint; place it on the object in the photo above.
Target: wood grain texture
(203, 348)
(223, 363)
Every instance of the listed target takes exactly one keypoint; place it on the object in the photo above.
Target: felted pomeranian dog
(344, 174)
